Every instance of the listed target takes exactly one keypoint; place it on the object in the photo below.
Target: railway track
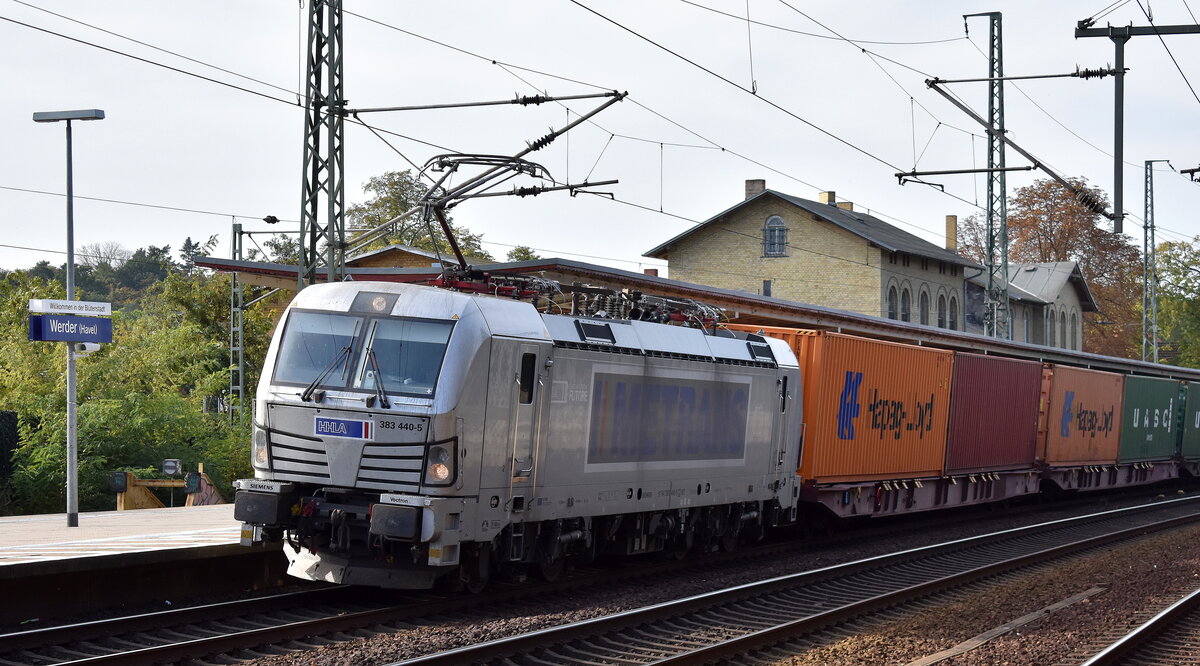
(1169, 638)
(731, 624)
(332, 614)
(289, 622)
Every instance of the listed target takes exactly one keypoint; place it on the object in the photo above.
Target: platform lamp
(72, 444)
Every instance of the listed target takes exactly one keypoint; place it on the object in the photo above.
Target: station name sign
(61, 321)
(69, 328)
(86, 308)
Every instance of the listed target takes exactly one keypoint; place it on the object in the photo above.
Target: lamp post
(72, 444)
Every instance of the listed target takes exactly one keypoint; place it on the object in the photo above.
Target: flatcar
(407, 436)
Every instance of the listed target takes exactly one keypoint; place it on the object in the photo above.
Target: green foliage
(141, 398)
(394, 194)
(522, 253)
(1179, 302)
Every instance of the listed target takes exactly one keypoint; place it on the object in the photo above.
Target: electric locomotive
(406, 435)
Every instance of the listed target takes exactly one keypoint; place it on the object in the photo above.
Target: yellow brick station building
(823, 253)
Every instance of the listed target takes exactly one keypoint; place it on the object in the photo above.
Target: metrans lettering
(342, 428)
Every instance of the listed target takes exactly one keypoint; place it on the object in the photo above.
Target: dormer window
(774, 237)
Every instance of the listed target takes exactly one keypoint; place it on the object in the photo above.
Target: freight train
(407, 436)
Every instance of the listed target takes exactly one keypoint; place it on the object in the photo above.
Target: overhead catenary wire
(1168, 50)
(728, 81)
(508, 67)
(818, 36)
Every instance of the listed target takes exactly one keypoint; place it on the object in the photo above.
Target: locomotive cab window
(316, 343)
(528, 377)
(403, 356)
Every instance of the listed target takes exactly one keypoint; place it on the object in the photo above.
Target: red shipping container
(1082, 417)
(993, 414)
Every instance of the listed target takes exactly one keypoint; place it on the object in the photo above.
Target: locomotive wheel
(729, 542)
(550, 571)
(476, 570)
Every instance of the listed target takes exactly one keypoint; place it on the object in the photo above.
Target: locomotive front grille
(296, 458)
(391, 466)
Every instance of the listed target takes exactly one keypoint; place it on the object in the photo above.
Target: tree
(522, 253)
(1179, 302)
(393, 194)
(145, 267)
(192, 250)
(109, 253)
(1045, 224)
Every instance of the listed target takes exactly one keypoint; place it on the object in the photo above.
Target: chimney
(845, 205)
(828, 198)
(952, 233)
(652, 272)
(755, 187)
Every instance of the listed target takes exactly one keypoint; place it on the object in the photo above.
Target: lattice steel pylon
(324, 188)
(996, 319)
(1149, 274)
(237, 341)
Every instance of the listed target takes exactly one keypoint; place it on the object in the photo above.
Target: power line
(154, 63)
(135, 203)
(1168, 50)
(159, 48)
(812, 34)
(739, 87)
(508, 67)
(149, 62)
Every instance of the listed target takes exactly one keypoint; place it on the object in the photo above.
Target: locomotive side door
(525, 416)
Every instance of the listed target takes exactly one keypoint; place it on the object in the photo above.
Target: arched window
(1074, 332)
(1050, 339)
(941, 321)
(1062, 329)
(924, 308)
(892, 305)
(905, 305)
(774, 237)
(1025, 323)
(954, 313)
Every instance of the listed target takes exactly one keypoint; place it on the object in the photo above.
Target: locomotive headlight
(439, 465)
(260, 455)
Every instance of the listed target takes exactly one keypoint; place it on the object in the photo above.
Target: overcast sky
(826, 115)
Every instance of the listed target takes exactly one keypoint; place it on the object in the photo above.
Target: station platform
(45, 538)
(126, 560)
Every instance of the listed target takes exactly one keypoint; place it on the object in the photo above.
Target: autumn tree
(1046, 223)
(393, 194)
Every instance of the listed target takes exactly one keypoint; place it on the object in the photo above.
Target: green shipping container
(1150, 419)
(1191, 423)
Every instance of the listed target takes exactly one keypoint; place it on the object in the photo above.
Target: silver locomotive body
(406, 433)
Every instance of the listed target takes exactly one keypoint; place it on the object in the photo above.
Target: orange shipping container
(1081, 421)
(872, 409)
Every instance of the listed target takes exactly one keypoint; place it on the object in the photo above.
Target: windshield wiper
(380, 391)
(340, 359)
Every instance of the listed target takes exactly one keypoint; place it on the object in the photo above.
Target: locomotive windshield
(312, 342)
(335, 350)
(403, 356)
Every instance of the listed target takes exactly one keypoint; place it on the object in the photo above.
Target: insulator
(527, 191)
(1092, 73)
(542, 142)
(526, 100)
